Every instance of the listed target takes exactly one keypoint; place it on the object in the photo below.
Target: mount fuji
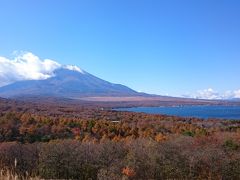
(67, 83)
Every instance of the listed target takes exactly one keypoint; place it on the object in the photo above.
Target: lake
(220, 112)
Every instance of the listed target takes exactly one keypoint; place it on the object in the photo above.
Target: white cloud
(212, 94)
(27, 66)
(74, 68)
(236, 93)
(207, 94)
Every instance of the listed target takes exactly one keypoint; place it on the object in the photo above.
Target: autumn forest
(70, 141)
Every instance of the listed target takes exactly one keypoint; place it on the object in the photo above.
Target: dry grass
(8, 175)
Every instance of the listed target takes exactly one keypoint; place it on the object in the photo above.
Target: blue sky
(156, 46)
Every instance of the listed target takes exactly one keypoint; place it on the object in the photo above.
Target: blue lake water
(220, 112)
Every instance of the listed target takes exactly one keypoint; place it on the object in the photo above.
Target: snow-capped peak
(27, 66)
(74, 68)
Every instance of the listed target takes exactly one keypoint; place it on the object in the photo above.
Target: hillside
(66, 83)
(64, 140)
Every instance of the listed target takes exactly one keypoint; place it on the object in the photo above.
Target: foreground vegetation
(91, 143)
(181, 157)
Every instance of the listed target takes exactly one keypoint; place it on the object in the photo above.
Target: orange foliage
(160, 137)
(129, 172)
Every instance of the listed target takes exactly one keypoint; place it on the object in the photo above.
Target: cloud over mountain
(236, 93)
(27, 66)
(207, 94)
(212, 94)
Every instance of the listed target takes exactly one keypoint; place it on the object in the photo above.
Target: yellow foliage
(160, 137)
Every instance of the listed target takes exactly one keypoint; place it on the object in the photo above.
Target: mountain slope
(66, 83)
